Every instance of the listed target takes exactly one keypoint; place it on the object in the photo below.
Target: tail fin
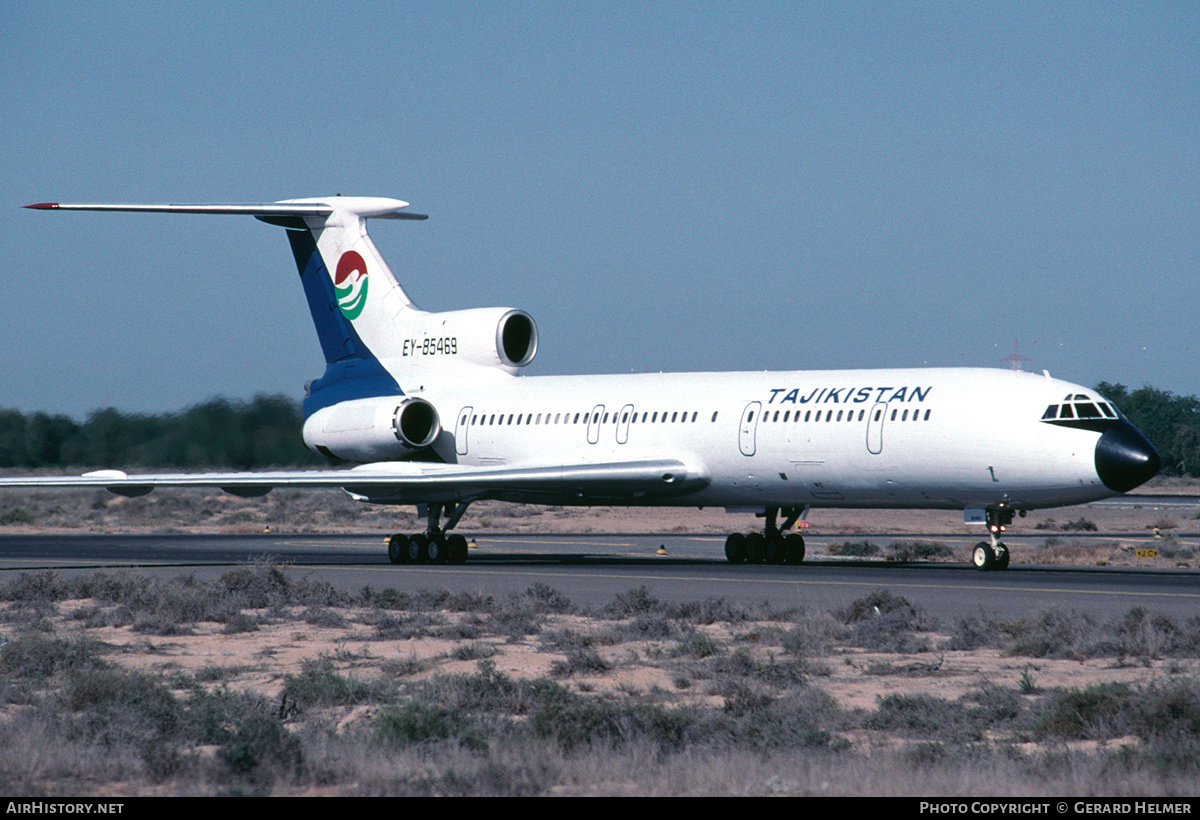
(338, 263)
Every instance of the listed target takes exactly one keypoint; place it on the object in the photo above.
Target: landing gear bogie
(770, 546)
(420, 548)
(756, 548)
(435, 545)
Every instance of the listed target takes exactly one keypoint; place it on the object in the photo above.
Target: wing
(419, 482)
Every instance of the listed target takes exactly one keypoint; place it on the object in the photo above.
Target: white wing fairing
(431, 407)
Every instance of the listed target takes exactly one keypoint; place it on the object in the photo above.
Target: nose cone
(1125, 458)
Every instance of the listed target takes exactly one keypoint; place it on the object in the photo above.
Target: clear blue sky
(691, 186)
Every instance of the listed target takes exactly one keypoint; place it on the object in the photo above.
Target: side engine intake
(502, 338)
(367, 430)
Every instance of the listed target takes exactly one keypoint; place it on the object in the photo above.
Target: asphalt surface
(592, 569)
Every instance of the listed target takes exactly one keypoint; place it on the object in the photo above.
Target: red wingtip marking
(43, 206)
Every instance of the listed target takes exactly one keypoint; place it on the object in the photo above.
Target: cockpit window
(1082, 412)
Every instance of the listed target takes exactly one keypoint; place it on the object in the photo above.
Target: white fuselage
(933, 438)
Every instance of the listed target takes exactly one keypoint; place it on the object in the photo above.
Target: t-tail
(375, 341)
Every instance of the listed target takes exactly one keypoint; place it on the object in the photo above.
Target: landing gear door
(461, 429)
(748, 427)
(875, 427)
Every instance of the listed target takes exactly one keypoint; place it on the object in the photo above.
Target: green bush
(414, 723)
(1097, 712)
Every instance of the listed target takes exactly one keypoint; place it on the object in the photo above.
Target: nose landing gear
(994, 555)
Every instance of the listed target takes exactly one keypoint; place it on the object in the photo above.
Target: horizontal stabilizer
(363, 206)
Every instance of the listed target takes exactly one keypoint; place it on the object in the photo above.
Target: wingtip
(43, 206)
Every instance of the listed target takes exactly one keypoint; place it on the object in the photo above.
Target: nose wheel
(993, 555)
(985, 557)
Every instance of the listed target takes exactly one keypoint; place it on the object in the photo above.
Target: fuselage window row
(565, 418)
(843, 415)
(768, 417)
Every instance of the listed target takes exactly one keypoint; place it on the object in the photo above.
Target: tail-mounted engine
(501, 338)
(367, 430)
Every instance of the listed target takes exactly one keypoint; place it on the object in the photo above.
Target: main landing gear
(433, 546)
(994, 555)
(770, 546)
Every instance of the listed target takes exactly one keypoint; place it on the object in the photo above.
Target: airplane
(432, 410)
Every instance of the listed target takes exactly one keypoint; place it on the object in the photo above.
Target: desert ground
(776, 702)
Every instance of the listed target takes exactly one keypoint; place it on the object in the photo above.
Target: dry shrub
(1075, 551)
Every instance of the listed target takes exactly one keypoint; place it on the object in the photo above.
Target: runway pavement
(592, 569)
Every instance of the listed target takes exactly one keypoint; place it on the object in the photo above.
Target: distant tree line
(1172, 423)
(218, 433)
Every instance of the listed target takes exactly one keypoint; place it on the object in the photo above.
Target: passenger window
(926, 415)
(839, 414)
(878, 413)
(894, 412)
(694, 414)
(714, 415)
(673, 415)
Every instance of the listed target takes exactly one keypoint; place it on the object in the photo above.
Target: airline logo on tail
(350, 284)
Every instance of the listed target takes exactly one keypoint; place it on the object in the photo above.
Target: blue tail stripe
(351, 369)
(338, 338)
